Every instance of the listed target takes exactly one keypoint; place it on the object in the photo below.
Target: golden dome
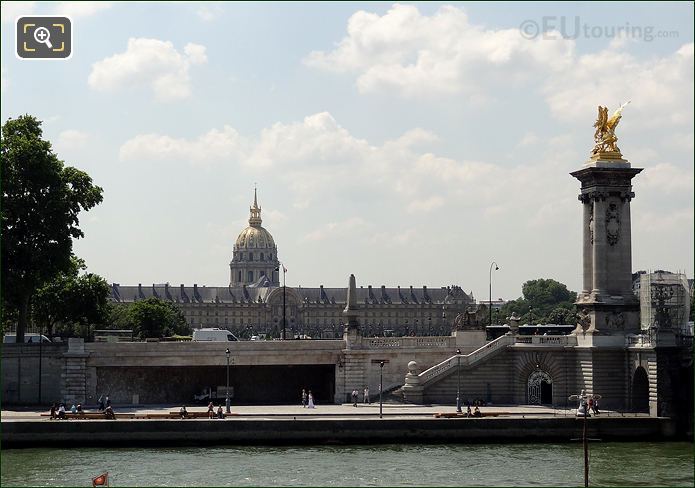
(254, 237)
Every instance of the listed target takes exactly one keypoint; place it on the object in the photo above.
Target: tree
(544, 301)
(41, 201)
(72, 301)
(154, 317)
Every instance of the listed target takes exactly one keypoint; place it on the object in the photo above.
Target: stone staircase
(444, 368)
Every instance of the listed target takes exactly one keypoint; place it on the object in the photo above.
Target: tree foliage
(154, 317)
(71, 303)
(41, 201)
(544, 301)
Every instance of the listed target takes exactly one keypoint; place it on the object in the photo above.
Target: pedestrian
(305, 398)
(591, 404)
(220, 413)
(79, 408)
(596, 412)
(476, 412)
(108, 413)
(311, 400)
(182, 412)
(108, 401)
(211, 410)
(73, 409)
(468, 411)
(101, 404)
(354, 398)
(366, 395)
(61, 411)
(53, 412)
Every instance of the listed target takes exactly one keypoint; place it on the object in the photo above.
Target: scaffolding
(664, 301)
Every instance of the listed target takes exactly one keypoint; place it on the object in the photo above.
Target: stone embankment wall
(327, 431)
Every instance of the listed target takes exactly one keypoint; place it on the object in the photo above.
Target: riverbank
(332, 424)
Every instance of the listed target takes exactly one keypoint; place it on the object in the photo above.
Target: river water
(611, 464)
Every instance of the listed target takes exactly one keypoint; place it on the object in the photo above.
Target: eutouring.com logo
(561, 27)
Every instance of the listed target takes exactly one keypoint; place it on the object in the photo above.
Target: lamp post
(458, 381)
(381, 389)
(429, 325)
(228, 402)
(490, 303)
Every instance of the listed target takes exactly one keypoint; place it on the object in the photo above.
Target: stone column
(626, 228)
(598, 260)
(588, 275)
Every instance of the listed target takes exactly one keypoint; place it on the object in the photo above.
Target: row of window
(251, 276)
(240, 256)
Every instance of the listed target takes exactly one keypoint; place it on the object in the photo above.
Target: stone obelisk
(351, 312)
(607, 304)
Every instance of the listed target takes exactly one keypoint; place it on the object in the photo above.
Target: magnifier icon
(43, 36)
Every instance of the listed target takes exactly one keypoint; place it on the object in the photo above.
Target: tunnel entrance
(250, 384)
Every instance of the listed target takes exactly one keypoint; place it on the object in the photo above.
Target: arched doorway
(640, 391)
(540, 388)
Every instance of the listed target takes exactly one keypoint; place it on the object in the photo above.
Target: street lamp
(381, 389)
(490, 303)
(228, 402)
(458, 381)
(429, 325)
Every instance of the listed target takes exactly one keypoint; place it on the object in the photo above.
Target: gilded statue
(606, 140)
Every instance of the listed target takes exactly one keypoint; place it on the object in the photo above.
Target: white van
(214, 334)
(28, 338)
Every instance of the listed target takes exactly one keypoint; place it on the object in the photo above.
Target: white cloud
(661, 89)
(425, 205)
(12, 10)
(335, 229)
(71, 139)
(208, 13)
(667, 178)
(419, 55)
(152, 63)
(80, 9)
(215, 145)
(317, 159)
(416, 55)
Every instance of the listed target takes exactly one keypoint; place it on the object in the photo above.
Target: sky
(407, 143)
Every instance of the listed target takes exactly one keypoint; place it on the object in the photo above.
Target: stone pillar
(587, 250)
(607, 305)
(413, 391)
(74, 377)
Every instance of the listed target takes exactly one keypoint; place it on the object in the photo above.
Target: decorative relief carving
(591, 223)
(612, 224)
(615, 320)
(584, 319)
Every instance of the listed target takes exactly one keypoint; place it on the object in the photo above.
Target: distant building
(664, 299)
(253, 301)
(496, 304)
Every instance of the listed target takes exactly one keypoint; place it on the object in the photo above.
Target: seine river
(612, 464)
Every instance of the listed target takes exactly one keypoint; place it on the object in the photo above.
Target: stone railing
(466, 360)
(638, 340)
(551, 340)
(408, 342)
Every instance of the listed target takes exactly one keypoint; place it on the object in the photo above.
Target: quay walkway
(326, 424)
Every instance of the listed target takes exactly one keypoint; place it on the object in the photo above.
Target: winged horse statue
(605, 130)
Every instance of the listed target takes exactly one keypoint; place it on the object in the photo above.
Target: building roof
(250, 294)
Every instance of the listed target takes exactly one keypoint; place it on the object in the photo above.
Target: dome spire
(255, 218)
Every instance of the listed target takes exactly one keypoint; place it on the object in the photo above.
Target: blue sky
(407, 143)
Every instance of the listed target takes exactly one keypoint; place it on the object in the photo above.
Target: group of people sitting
(474, 413)
(183, 413)
(59, 412)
